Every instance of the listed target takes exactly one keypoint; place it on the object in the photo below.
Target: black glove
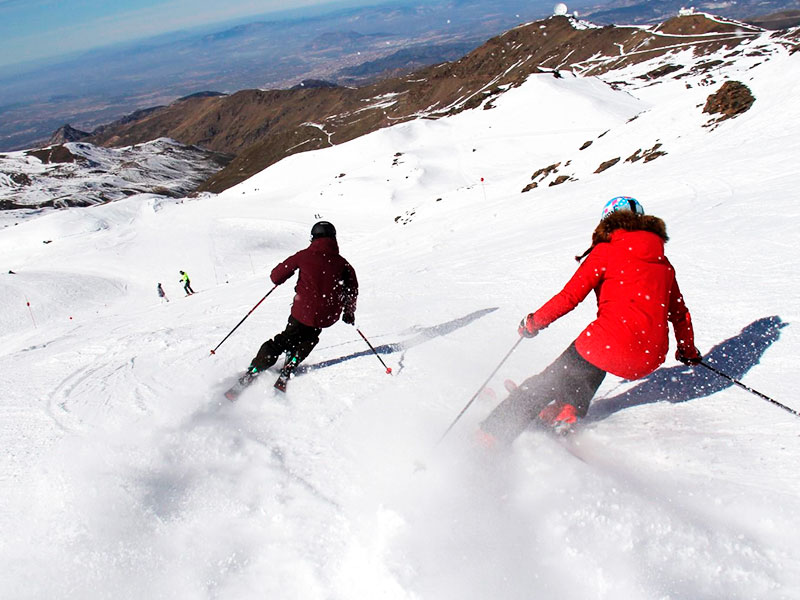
(349, 318)
(689, 357)
(527, 328)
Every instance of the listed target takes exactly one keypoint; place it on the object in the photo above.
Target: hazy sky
(34, 29)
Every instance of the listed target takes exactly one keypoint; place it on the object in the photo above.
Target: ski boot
(558, 417)
(286, 373)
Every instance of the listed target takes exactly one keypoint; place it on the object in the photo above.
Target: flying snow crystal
(560, 9)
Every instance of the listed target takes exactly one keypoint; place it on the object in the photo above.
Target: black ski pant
(297, 339)
(188, 288)
(571, 379)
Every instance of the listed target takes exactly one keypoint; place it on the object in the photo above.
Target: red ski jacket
(326, 285)
(637, 294)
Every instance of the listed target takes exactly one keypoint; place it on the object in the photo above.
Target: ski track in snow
(126, 474)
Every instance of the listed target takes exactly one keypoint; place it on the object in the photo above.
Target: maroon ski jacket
(326, 285)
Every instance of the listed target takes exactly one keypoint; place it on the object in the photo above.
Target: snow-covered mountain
(126, 475)
(261, 127)
(82, 174)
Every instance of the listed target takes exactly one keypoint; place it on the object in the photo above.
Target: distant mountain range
(262, 127)
(349, 47)
(208, 141)
(105, 84)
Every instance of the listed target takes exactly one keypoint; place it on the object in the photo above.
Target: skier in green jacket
(186, 285)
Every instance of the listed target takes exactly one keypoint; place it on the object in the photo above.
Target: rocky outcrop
(731, 100)
(55, 154)
(607, 164)
(66, 133)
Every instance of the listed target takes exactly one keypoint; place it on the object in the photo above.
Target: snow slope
(125, 475)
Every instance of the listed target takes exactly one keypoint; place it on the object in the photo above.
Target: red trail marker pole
(28, 303)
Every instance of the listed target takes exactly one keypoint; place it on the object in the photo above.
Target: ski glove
(527, 328)
(692, 357)
(349, 318)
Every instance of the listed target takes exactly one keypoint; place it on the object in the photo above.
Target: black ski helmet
(323, 229)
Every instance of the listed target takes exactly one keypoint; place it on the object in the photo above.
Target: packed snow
(127, 475)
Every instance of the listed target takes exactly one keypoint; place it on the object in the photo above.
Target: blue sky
(36, 29)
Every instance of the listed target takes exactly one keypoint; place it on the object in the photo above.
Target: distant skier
(186, 284)
(161, 293)
(326, 288)
(637, 294)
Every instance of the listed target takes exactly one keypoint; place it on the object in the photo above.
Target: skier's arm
(350, 294)
(585, 279)
(681, 321)
(285, 269)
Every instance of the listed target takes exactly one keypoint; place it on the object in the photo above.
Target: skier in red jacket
(637, 294)
(326, 287)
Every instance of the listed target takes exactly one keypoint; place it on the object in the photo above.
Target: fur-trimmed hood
(627, 221)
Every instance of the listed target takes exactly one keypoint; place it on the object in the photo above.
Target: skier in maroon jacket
(326, 288)
(637, 295)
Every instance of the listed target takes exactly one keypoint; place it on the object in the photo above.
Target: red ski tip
(389, 370)
(212, 352)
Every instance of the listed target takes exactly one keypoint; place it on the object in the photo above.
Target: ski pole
(388, 369)
(749, 389)
(214, 351)
(480, 389)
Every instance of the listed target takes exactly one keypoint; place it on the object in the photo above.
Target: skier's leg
(303, 341)
(571, 379)
(271, 349)
(297, 339)
(514, 414)
(579, 382)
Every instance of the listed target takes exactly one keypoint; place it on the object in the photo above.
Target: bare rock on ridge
(66, 133)
(731, 100)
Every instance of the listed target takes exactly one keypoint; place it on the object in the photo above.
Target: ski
(281, 382)
(244, 381)
(247, 378)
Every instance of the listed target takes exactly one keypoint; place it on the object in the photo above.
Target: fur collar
(627, 221)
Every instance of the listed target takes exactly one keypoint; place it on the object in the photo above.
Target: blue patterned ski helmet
(622, 203)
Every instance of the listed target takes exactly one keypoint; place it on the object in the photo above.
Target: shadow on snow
(735, 357)
(423, 335)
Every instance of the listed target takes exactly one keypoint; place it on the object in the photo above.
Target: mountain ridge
(261, 127)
